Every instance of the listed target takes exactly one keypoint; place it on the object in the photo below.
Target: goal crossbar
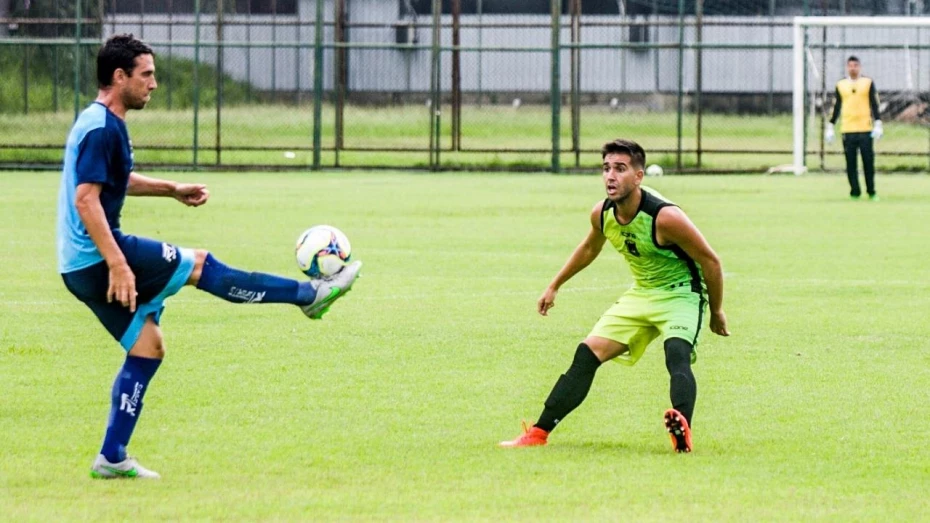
(798, 91)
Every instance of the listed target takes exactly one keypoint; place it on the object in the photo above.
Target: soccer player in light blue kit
(124, 279)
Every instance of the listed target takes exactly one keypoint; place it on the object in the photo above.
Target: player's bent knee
(200, 257)
(150, 343)
(604, 348)
(677, 353)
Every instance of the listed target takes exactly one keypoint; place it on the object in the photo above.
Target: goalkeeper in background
(857, 103)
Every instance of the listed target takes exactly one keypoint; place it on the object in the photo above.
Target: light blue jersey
(98, 151)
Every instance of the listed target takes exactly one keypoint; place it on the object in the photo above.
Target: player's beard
(133, 102)
(623, 192)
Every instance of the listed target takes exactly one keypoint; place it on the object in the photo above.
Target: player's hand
(122, 286)
(546, 301)
(877, 130)
(718, 323)
(192, 194)
(828, 133)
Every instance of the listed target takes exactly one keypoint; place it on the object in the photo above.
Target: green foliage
(50, 66)
(176, 75)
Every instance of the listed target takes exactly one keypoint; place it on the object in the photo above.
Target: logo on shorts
(245, 295)
(678, 328)
(169, 252)
(130, 404)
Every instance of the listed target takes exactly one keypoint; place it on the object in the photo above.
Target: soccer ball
(322, 251)
(654, 170)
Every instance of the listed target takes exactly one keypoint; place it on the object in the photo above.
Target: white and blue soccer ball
(654, 170)
(322, 251)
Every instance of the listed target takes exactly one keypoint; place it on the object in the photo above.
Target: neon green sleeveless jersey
(653, 266)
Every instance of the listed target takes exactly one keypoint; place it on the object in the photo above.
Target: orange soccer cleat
(678, 431)
(531, 437)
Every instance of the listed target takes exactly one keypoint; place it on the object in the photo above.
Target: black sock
(683, 387)
(571, 388)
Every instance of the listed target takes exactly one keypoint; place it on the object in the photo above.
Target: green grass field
(391, 408)
(485, 128)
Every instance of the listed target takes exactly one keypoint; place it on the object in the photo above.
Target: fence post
(55, 50)
(317, 84)
(806, 11)
(196, 79)
(456, 78)
(575, 8)
(681, 76)
(341, 73)
(823, 93)
(771, 67)
(555, 94)
(435, 88)
(274, 50)
(26, 79)
(169, 78)
(656, 31)
(248, 56)
(480, 9)
(698, 72)
(77, 58)
(219, 79)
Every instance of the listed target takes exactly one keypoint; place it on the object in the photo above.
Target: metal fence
(331, 83)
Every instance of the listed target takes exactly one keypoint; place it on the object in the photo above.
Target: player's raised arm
(581, 257)
(674, 227)
(191, 194)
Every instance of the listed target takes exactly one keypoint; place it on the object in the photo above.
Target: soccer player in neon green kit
(675, 272)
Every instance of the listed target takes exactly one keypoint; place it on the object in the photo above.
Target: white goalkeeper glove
(828, 134)
(877, 130)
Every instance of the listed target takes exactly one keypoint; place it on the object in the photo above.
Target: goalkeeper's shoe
(678, 431)
(531, 437)
(129, 468)
(331, 289)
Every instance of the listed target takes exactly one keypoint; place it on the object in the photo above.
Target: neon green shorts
(642, 315)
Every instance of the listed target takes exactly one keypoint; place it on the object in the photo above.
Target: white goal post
(799, 91)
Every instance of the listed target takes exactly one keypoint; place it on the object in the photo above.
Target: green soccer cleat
(331, 289)
(129, 468)
(874, 198)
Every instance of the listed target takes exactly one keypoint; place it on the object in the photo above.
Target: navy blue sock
(252, 287)
(128, 390)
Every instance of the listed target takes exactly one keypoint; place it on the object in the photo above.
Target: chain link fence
(448, 84)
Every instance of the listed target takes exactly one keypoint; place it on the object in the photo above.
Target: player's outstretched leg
(569, 391)
(683, 393)
(237, 286)
(331, 289)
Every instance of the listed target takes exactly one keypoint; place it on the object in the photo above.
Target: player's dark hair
(852, 58)
(119, 52)
(629, 147)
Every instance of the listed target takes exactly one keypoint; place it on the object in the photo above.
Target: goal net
(895, 53)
